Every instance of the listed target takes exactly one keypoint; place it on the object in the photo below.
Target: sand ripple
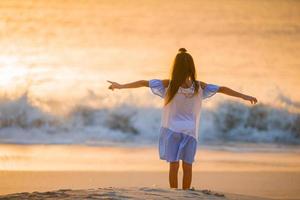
(125, 193)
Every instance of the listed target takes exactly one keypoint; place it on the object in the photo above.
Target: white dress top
(182, 113)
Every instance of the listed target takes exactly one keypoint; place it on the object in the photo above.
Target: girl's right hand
(114, 85)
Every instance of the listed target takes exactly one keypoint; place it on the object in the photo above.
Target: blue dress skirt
(175, 146)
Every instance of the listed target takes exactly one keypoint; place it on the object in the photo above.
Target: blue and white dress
(180, 121)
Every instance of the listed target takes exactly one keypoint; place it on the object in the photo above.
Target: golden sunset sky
(64, 51)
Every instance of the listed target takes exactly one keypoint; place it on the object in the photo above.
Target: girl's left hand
(114, 85)
(253, 100)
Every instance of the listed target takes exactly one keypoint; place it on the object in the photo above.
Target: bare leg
(173, 174)
(187, 175)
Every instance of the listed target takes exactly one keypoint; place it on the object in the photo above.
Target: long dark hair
(183, 68)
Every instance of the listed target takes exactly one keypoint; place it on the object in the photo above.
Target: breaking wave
(228, 121)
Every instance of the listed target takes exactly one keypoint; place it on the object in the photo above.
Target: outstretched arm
(230, 92)
(136, 84)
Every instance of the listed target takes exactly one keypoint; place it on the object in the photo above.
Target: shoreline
(222, 146)
(92, 158)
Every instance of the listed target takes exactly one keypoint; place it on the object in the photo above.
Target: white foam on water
(130, 124)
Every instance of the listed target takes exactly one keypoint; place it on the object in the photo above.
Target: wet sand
(278, 185)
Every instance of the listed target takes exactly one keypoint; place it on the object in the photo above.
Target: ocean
(56, 57)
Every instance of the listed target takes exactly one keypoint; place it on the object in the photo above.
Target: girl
(182, 96)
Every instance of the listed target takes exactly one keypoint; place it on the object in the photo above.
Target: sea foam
(227, 121)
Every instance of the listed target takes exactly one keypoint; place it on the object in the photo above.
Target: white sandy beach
(137, 172)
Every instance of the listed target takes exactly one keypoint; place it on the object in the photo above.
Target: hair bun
(182, 50)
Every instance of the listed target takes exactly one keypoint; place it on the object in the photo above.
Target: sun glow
(9, 76)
